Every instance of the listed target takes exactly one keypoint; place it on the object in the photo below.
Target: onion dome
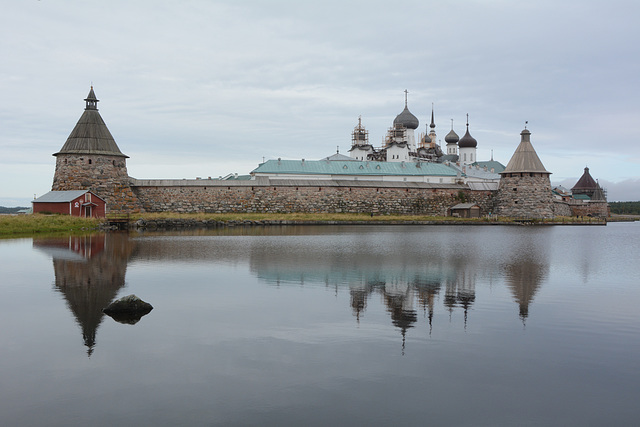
(467, 141)
(405, 118)
(452, 137)
(426, 139)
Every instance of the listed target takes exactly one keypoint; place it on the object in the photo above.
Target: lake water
(328, 325)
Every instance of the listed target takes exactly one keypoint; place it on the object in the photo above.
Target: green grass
(25, 225)
(39, 224)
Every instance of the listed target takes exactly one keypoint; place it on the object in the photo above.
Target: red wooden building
(81, 203)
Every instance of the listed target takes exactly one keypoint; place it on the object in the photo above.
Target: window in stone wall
(89, 161)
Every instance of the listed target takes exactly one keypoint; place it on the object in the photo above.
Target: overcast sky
(207, 88)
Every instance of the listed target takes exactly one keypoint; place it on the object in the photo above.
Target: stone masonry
(309, 197)
(524, 196)
(105, 175)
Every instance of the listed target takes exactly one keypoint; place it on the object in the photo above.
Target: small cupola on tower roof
(91, 100)
(467, 140)
(91, 135)
(406, 118)
(525, 159)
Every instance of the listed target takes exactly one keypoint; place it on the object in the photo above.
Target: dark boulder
(128, 309)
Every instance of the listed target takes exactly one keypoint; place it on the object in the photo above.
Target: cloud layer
(205, 88)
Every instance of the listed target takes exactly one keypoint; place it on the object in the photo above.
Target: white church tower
(410, 122)
(467, 146)
(452, 141)
(360, 147)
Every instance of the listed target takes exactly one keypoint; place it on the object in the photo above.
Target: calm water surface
(344, 325)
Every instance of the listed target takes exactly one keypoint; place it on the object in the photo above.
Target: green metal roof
(490, 164)
(237, 178)
(324, 167)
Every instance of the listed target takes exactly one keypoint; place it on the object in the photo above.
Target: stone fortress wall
(305, 196)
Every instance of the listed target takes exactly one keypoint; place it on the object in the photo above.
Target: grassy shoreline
(38, 224)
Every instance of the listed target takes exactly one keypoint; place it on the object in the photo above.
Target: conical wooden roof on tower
(585, 183)
(91, 135)
(525, 159)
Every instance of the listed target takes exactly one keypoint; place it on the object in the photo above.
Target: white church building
(402, 157)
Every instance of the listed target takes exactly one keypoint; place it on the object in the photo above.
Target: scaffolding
(359, 136)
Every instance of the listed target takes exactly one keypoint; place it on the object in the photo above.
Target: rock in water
(128, 309)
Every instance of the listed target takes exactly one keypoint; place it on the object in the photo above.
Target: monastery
(407, 175)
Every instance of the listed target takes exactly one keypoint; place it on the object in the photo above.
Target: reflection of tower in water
(358, 297)
(427, 292)
(460, 291)
(89, 272)
(524, 277)
(398, 298)
(526, 269)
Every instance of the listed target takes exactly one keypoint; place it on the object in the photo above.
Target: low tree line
(4, 210)
(625, 208)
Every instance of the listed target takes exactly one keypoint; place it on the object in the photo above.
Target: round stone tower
(91, 160)
(525, 188)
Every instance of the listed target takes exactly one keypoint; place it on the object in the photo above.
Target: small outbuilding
(82, 203)
(466, 210)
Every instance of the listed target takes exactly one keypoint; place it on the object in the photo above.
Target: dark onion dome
(426, 139)
(91, 135)
(407, 119)
(451, 137)
(467, 140)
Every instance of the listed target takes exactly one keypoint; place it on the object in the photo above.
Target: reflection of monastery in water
(408, 283)
(89, 272)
